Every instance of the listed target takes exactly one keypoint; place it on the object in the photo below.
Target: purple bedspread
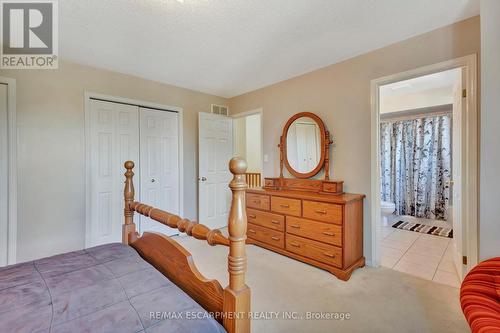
(108, 288)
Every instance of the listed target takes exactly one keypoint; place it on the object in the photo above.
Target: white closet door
(3, 176)
(159, 146)
(307, 146)
(215, 151)
(114, 139)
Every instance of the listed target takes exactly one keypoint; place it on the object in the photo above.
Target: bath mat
(424, 228)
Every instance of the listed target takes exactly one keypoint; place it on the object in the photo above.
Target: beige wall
(50, 117)
(240, 136)
(247, 141)
(421, 99)
(253, 143)
(489, 228)
(340, 95)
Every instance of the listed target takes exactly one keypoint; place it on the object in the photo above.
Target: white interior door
(4, 191)
(215, 151)
(159, 146)
(114, 139)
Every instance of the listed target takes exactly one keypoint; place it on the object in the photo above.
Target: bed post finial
(128, 193)
(237, 294)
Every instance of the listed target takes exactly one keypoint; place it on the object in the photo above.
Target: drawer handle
(328, 233)
(256, 201)
(275, 222)
(329, 254)
(319, 211)
(296, 226)
(294, 244)
(251, 216)
(275, 238)
(251, 231)
(284, 206)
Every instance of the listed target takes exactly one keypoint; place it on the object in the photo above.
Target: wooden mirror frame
(324, 161)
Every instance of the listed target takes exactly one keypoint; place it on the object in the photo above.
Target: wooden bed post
(128, 193)
(237, 295)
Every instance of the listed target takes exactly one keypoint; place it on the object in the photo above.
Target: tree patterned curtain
(416, 165)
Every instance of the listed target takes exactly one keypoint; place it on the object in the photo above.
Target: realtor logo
(29, 34)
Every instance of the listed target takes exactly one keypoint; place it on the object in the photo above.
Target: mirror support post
(328, 142)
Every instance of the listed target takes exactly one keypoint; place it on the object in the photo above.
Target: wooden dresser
(323, 230)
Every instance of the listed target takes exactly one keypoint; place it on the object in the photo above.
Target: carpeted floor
(377, 299)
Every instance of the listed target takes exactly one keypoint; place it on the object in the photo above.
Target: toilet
(386, 209)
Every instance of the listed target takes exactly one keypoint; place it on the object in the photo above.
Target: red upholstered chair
(480, 297)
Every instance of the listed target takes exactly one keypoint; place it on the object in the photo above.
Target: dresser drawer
(323, 211)
(258, 201)
(286, 206)
(265, 235)
(325, 253)
(323, 232)
(265, 219)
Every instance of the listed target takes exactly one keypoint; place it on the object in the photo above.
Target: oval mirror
(304, 145)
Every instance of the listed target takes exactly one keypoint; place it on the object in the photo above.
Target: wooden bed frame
(229, 306)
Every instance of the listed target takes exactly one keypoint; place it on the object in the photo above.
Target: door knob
(152, 180)
(203, 179)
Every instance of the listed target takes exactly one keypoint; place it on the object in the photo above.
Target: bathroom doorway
(421, 169)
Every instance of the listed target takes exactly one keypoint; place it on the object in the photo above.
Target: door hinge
(464, 260)
(464, 93)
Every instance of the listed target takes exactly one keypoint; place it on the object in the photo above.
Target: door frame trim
(12, 170)
(259, 111)
(88, 96)
(469, 167)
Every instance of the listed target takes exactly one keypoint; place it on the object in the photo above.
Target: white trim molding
(12, 170)
(88, 95)
(470, 151)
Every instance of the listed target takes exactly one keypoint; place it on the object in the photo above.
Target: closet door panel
(159, 141)
(114, 139)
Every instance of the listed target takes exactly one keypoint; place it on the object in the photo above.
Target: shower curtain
(416, 165)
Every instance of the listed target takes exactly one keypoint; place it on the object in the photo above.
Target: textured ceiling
(228, 47)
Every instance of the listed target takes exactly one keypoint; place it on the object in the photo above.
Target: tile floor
(394, 218)
(422, 255)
